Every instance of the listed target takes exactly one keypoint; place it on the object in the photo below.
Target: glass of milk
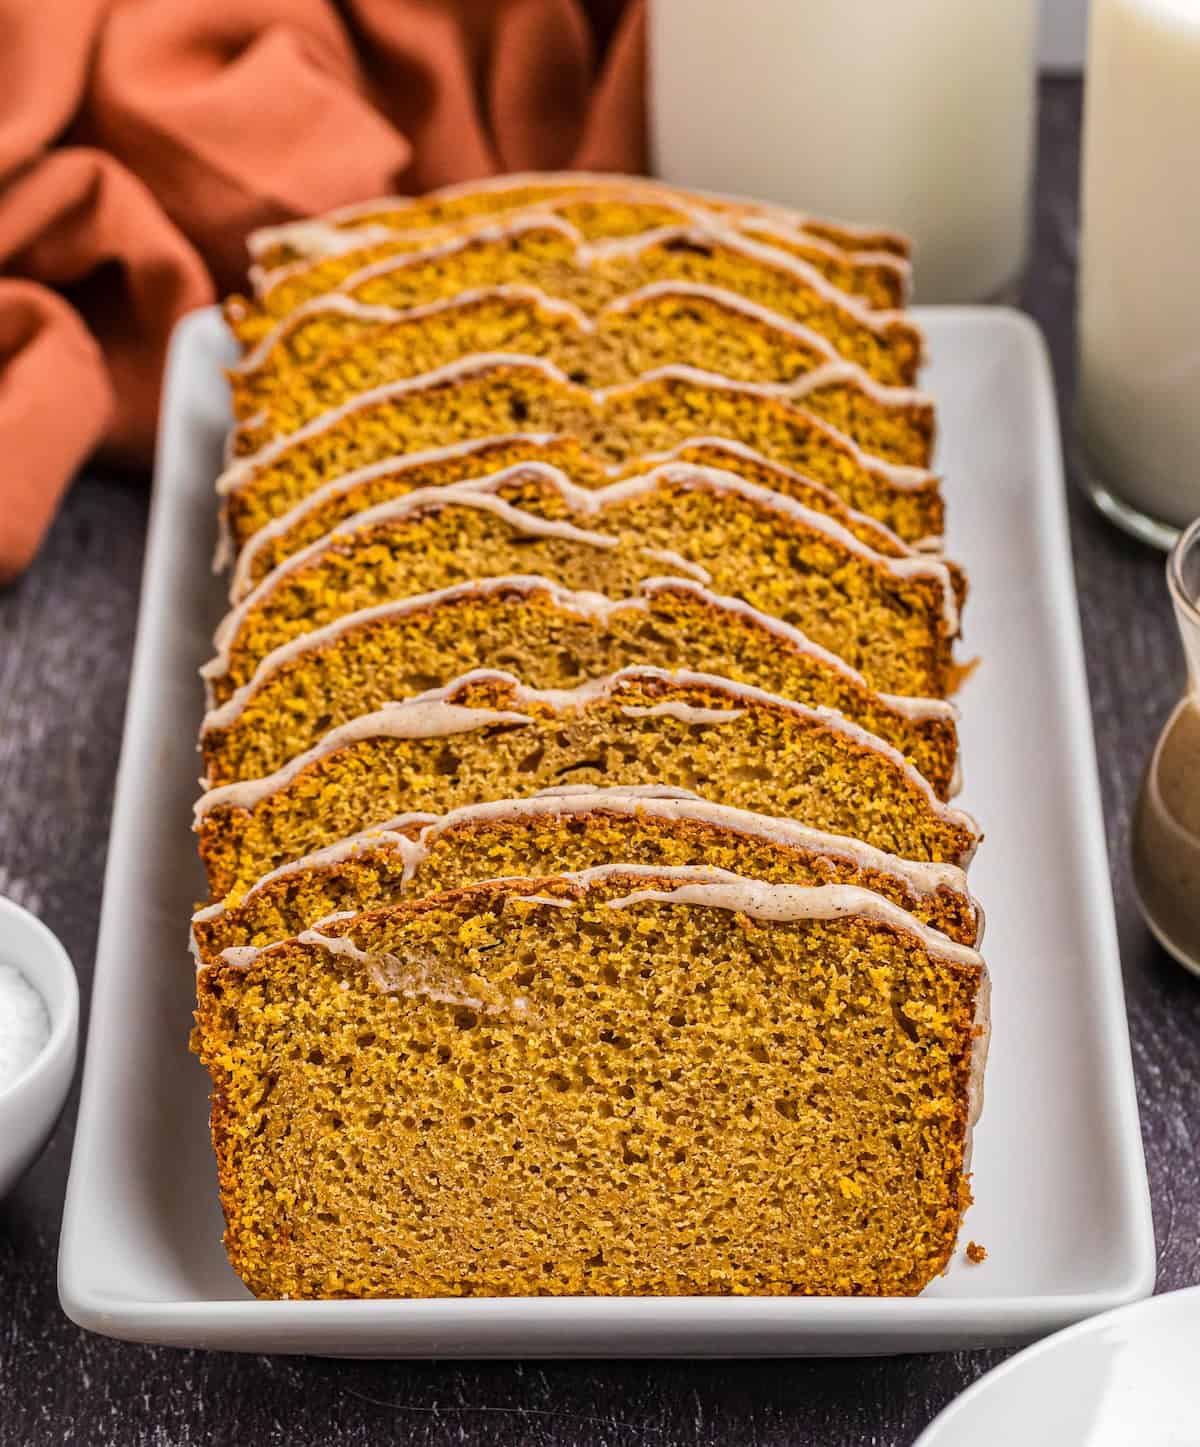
(914, 116)
(1138, 409)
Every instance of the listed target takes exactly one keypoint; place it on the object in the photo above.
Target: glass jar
(1166, 825)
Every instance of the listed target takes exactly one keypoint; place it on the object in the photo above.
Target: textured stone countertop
(65, 637)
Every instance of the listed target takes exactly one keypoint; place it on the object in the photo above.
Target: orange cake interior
(633, 1082)
(322, 356)
(870, 264)
(893, 619)
(571, 829)
(495, 395)
(544, 251)
(342, 497)
(488, 737)
(549, 637)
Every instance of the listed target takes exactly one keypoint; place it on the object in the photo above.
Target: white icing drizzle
(733, 301)
(641, 791)
(670, 803)
(897, 474)
(435, 714)
(773, 230)
(679, 563)
(317, 237)
(582, 604)
(712, 888)
(683, 712)
(590, 504)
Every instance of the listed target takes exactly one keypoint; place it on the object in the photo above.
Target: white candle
(916, 116)
(1139, 297)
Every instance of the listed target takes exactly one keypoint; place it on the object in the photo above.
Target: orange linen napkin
(140, 140)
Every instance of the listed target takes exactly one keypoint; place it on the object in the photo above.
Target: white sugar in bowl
(39, 1030)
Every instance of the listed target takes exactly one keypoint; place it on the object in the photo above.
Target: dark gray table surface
(65, 638)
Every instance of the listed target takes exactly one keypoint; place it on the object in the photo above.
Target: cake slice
(496, 395)
(486, 736)
(341, 498)
(870, 263)
(893, 619)
(545, 251)
(331, 350)
(550, 637)
(626, 1082)
(564, 830)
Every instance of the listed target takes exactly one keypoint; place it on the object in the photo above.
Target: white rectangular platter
(1061, 1195)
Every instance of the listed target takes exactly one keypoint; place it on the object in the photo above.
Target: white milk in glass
(915, 116)
(1139, 296)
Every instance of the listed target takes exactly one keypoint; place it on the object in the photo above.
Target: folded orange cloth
(141, 140)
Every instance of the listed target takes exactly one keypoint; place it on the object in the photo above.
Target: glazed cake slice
(545, 251)
(334, 502)
(496, 395)
(486, 736)
(870, 264)
(893, 619)
(330, 351)
(550, 637)
(625, 1082)
(564, 830)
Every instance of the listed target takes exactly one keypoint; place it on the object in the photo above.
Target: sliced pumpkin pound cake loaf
(893, 619)
(366, 487)
(622, 1082)
(496, 395)
(569, 829)
(669, 324)
(549, 637)
(544, 251)
(869, 263)
(487, 736)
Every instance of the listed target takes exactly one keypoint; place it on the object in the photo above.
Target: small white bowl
(30, 1105)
